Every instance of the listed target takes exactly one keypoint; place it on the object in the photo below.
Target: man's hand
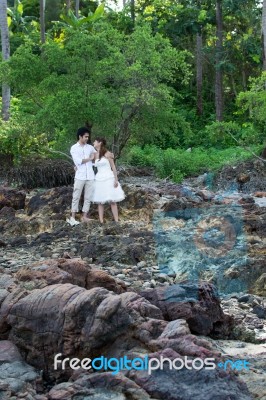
(109, 155)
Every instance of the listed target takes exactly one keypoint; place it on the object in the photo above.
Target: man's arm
(78, 160)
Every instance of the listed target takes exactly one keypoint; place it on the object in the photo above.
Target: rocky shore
(181, 275)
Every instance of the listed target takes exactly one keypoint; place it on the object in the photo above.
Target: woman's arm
(111, 161)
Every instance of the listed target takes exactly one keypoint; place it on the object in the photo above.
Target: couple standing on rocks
(100, 188)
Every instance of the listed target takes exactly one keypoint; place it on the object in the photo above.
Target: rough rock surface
(123, 289)
(12, 198)
(17, 378)
(199, 305)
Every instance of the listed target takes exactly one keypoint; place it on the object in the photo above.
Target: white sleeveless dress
(104, 190)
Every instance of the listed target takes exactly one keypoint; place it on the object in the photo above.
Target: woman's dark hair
(82, 131)
(103, 148)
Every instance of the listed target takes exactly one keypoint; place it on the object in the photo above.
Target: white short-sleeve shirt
(79, 152)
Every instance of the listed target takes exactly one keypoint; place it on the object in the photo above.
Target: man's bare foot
(86, 219)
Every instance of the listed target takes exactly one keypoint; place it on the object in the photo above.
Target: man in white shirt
(82, 155)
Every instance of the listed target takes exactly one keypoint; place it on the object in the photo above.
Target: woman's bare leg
(101, 212)
(114, 211)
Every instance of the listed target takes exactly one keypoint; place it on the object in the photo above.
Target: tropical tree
(77, 23)
(218, 61)
(117, 83)
(264, 33)
(42, 20)
(77, 4)
(6, 54)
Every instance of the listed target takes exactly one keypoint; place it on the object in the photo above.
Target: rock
(19, 377)
(75, 321)
(260, 311)
(182, 384)
(7, 282)
(6, 306)
(206, 195)
(3, 294)
(7, 212)
(75, 271)
(9, 352)
(259, 194)
(243, 178)
(244, 299)
(52, 201)
(12, 198)
(19, 241)
(96, 278)
(197, 304)
(99, 386)
(260, 285)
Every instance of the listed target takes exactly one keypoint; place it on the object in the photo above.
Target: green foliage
(19, 137)
(252, 103)
(71, 21)
(118, 83)
(177, 164)
(221, 134)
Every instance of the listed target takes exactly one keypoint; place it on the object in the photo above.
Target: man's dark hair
(82, 131)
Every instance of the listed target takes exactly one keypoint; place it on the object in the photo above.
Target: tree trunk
(199, 74)
(77, 8)
(132, 10)
(6, 54)
(218, 59)
(68, 5)
(124, 3)
(263, 23)
(42, 20)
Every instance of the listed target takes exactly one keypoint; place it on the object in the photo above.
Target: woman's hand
(75, 168)
(116, 184)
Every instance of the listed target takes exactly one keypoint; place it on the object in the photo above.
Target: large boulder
(75, 271)
(72, 320)
(198, 304)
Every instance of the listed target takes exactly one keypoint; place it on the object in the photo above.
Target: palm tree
(264, 33)
(6, 54)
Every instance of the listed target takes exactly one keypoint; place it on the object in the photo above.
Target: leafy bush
(222, 134)
(178, 163)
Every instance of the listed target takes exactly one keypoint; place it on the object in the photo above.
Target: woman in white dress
(107, 189)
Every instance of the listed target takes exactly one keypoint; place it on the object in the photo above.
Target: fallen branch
(246, 148)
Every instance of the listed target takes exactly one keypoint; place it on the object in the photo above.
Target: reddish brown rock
(11, 299)
(12, 198)
(243, 178)
(75, 321)
(206, 195)
(75, 271)
(259, 194)
(197, 304)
